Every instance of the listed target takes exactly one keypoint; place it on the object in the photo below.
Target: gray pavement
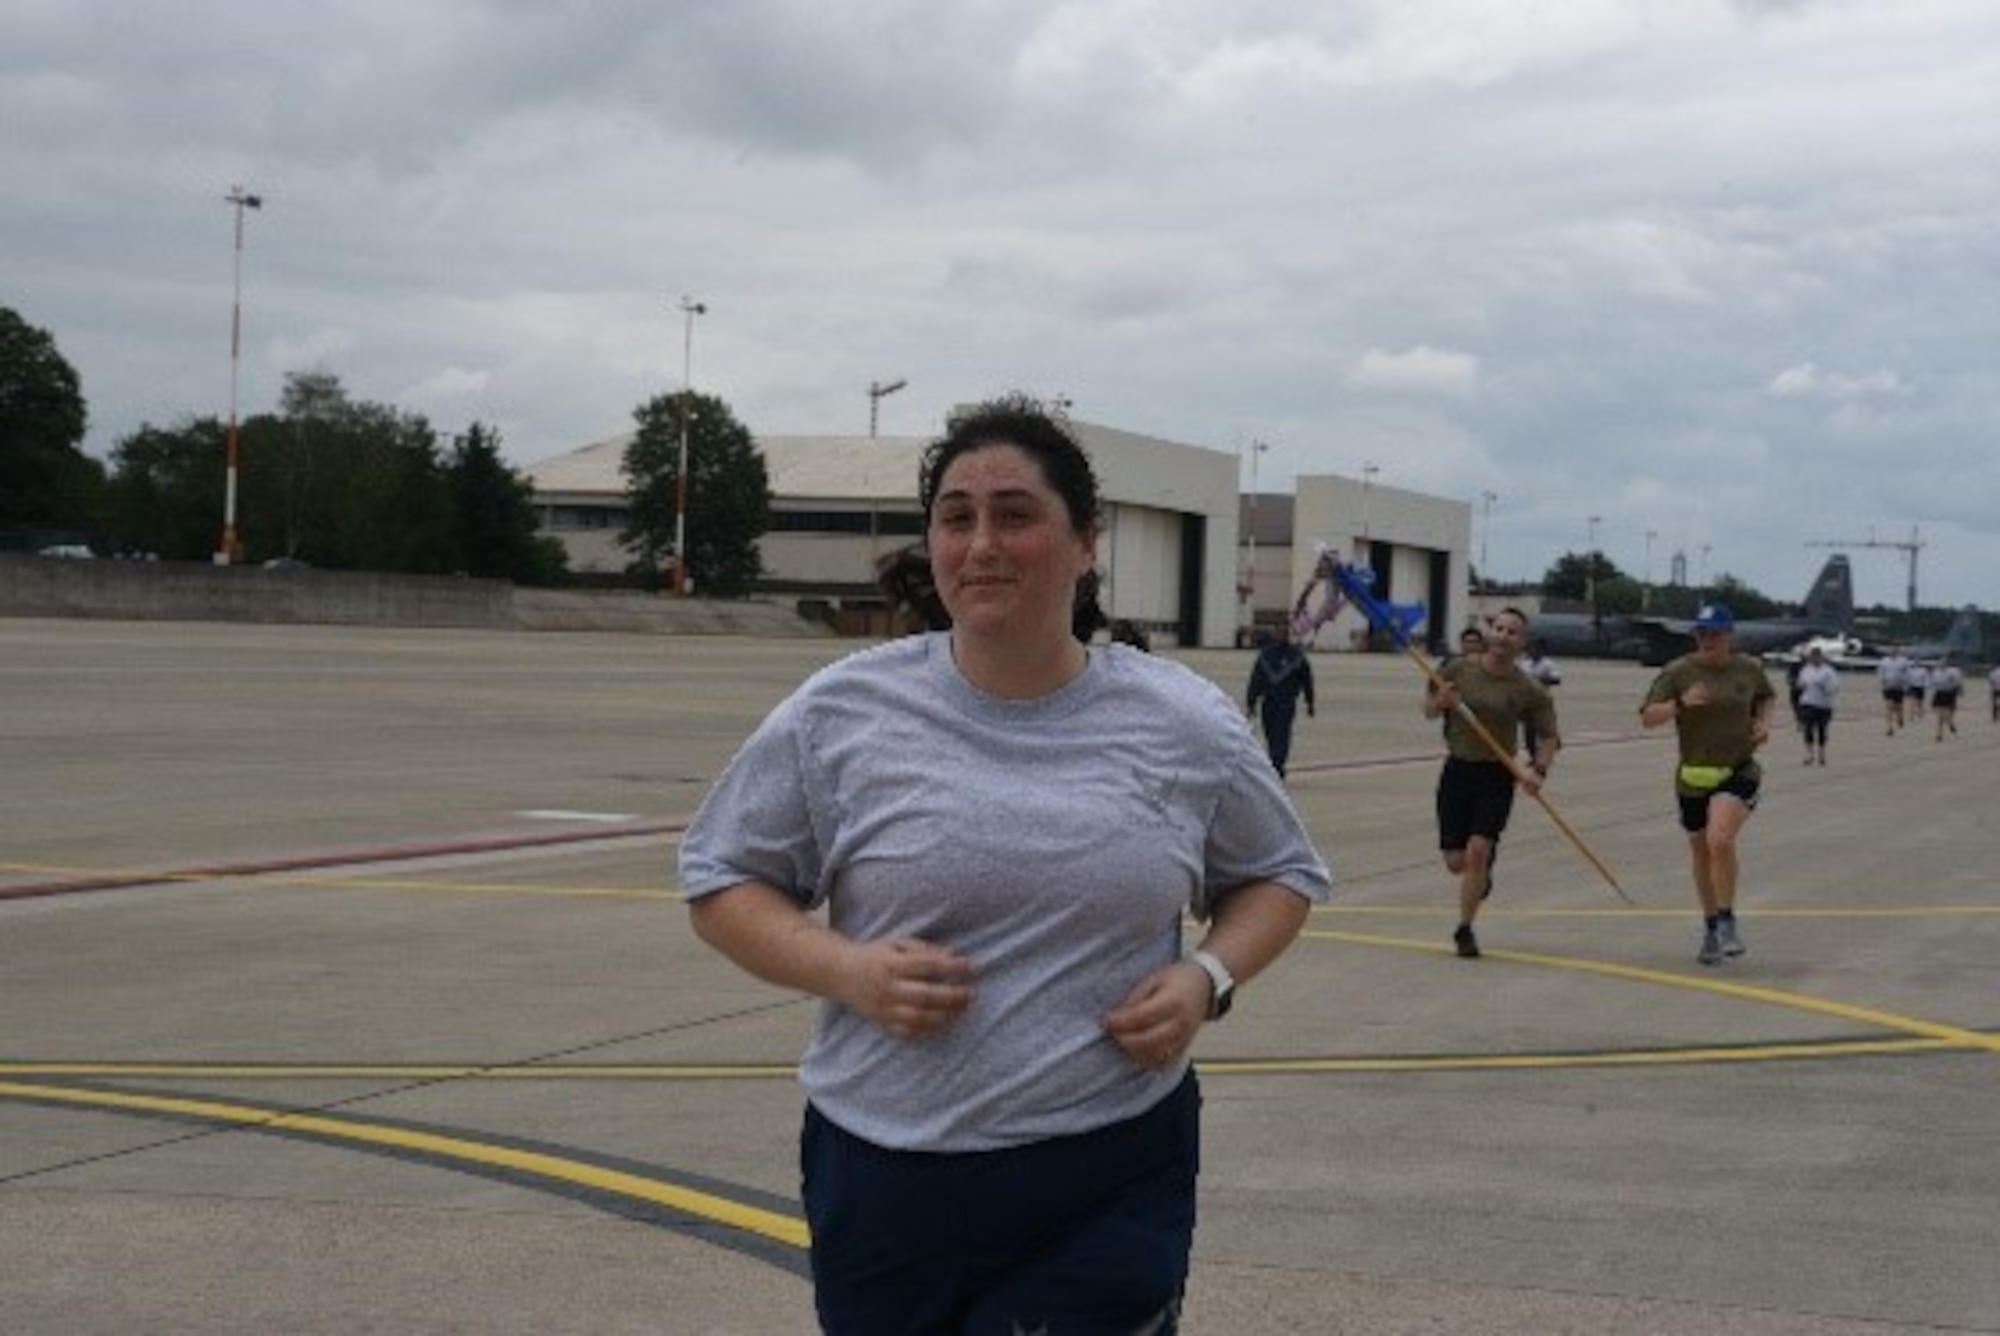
(345, 990)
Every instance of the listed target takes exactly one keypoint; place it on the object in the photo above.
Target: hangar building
(1176, 555)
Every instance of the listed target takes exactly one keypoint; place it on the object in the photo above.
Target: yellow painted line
(1663, 1057)
(442, 887)
(1887, 911)
(1954, 1035)
(751, 1219)
(1359, 1063)
(116, 873)
(1677, 911)
(258, 1071)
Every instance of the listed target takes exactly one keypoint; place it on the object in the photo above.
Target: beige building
(1167, 555)
(1183, 554)
(1417, 545)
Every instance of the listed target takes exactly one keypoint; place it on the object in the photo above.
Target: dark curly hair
(905, 577)
(1027, 425)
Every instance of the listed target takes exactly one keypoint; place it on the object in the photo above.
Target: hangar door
(1142, 559)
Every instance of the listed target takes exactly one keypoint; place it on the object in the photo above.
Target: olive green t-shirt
(1717, 734)
(1498, 700)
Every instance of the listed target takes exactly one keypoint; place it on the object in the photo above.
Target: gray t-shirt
(1055, 843)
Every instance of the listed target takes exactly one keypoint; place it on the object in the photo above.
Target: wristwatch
(1220, 980)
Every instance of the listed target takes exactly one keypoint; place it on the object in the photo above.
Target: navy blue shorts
(1081, 1234)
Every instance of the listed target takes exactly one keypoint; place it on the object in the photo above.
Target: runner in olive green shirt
(1720, 704)
(1475, 793)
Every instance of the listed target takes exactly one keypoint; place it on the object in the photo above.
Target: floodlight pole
(1486, 500)
(877, 392)
(1590, 574)
(1646, 590)
(1257, 449)
(239, 199)
(1368, 472)
(690, 308)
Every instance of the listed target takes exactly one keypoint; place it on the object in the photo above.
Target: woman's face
(1005, 552)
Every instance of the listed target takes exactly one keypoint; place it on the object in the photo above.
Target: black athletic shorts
(1473, 798)
(1694, 806)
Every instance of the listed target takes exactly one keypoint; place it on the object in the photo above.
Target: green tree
(1675, 601)
(493, 515)
(1744, 600)
(728, 494)
(393, 511)
(329, 480)
(344, 483)
(165, 493)
(46, 481)
(1619, 594)
(1572, 575)
(311, 407)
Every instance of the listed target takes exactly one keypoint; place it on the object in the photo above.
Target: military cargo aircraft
(1828, 611)
(1856, 654)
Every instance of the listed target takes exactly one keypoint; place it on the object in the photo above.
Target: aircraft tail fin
(1830, 601)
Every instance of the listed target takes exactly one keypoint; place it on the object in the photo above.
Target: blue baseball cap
(1714, 617)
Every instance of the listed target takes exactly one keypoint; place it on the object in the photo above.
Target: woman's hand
(1158, 1020)
(909, 988)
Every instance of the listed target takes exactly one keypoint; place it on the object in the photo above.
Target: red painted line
(119, 881)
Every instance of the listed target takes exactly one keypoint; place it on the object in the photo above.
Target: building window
(888, 524)
(583, 517)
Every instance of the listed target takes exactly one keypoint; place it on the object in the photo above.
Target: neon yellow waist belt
(1705, 777)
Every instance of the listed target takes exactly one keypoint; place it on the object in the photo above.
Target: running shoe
(1726, 938)
(1711, 948)
(1467, 944)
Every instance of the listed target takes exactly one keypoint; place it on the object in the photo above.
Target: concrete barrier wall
(37, 586)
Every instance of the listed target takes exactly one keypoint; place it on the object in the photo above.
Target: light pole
(1486, 500)
(1250, 564)
(690, 308)
(1590, 571)
(1646, 590)
(239, 199)
(1368, 472)
(877, 392)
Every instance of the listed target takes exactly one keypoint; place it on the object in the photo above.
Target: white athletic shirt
(1819, 685)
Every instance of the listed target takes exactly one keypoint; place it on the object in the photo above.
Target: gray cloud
(1719, 271)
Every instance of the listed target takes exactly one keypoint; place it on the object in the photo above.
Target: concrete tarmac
(345, 989)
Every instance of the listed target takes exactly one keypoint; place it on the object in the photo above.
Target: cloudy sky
(1722, 271)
